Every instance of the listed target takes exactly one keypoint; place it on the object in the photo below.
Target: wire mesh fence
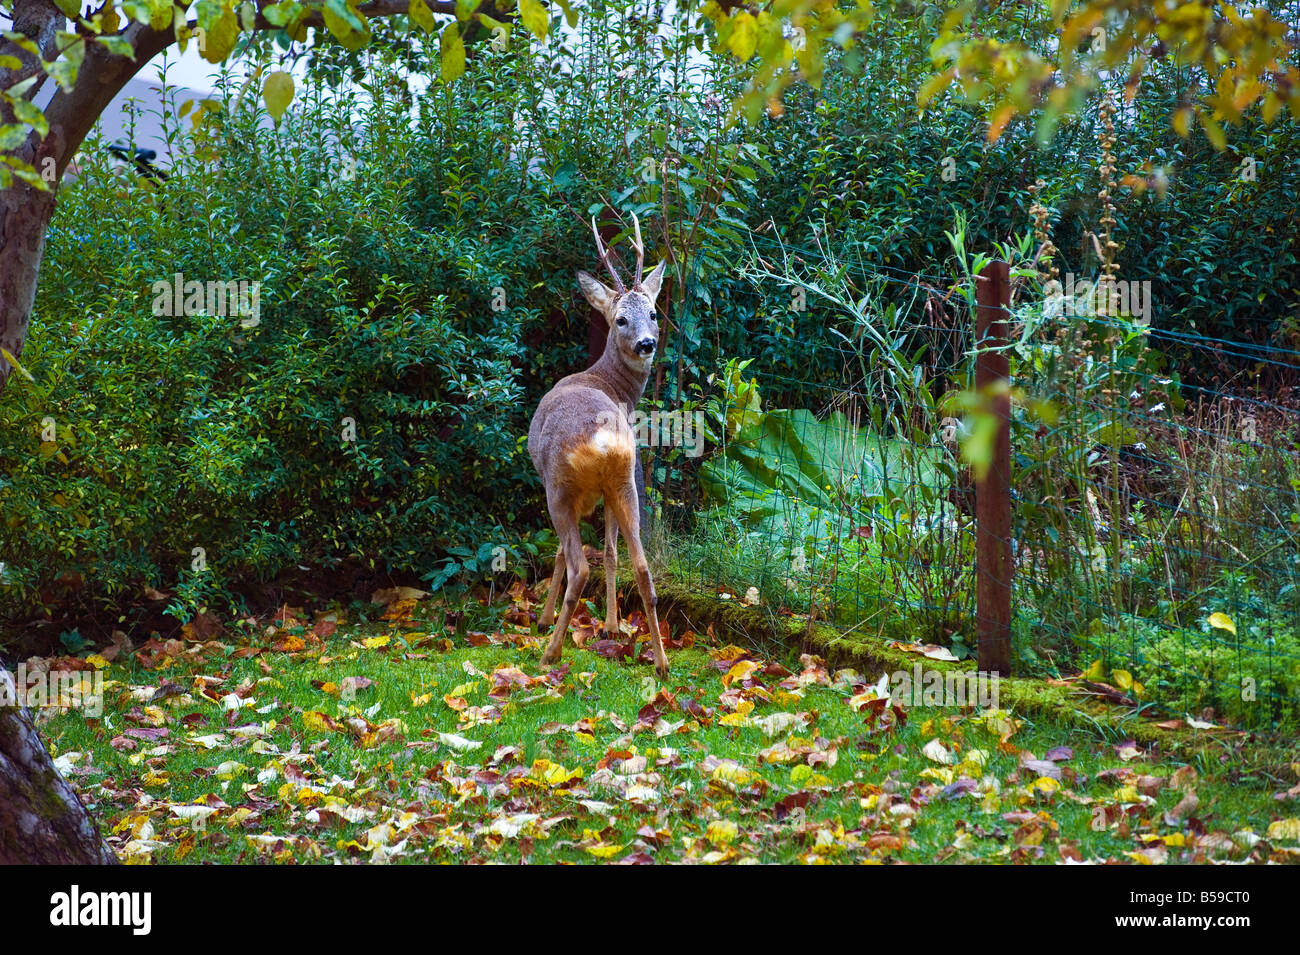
(1153, 492)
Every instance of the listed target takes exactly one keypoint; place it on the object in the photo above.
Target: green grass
(386, 775)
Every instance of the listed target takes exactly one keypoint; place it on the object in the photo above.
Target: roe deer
(582, 445)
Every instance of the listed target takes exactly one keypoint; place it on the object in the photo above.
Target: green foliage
(415, 250)
(1251, 677)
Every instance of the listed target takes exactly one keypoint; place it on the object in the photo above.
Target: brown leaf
(886, 840)
(1186, 806)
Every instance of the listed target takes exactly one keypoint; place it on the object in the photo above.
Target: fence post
(993, 566)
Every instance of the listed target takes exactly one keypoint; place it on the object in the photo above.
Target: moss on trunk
(42, 822)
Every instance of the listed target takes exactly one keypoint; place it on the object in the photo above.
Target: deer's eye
(621, 322)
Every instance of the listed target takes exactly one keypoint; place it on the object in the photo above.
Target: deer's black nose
(645, 346)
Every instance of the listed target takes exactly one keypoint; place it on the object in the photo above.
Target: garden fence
(1068, 490)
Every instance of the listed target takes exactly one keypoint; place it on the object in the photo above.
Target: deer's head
(633, 329)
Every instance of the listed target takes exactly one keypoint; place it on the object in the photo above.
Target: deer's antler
(604, 257)
(640, 250)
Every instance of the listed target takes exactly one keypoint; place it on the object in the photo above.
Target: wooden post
(993, 566)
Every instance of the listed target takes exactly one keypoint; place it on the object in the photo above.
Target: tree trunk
(42, 822)
(24, 215)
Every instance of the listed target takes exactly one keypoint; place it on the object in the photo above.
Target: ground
(395, 731)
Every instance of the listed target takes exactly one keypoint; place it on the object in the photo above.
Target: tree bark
(42, 822)
(24, 215)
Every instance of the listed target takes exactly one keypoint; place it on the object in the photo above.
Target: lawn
(398, 732)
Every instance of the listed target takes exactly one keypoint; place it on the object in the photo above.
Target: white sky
(185, 69)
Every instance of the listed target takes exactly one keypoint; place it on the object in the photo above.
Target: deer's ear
(652, 282)
(600, 297)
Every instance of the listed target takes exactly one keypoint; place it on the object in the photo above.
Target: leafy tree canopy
(1012, 59)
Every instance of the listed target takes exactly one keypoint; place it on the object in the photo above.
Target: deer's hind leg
(575, 564)
(548, 612)
(611, 572)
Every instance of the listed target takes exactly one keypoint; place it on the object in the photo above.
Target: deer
(582, 445)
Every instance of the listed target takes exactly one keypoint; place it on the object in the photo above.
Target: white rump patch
(605, 440)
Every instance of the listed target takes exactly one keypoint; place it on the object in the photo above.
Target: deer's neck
(623, 381)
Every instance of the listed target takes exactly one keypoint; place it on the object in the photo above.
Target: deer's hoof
(661, 668)
(550, 659)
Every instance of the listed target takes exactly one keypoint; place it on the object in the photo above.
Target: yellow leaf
(452, 49)
(421, 16)
(1285, 829)
(933, 86)
(230, 769)
(1215, 134)
(1095, 672)
(277, 91)
(1270, 107)
(9, 357)
(374, 643)
(722, 832)
(741, 670)
(313, 720)
(1222, 621)
(1123, 679)
(733, 773)
(236, 816)
(98, 662)
(744, 35)
(535, 17)
(553, 774)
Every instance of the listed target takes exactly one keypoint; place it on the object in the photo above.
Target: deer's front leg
(611, 573)
(629, 518)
